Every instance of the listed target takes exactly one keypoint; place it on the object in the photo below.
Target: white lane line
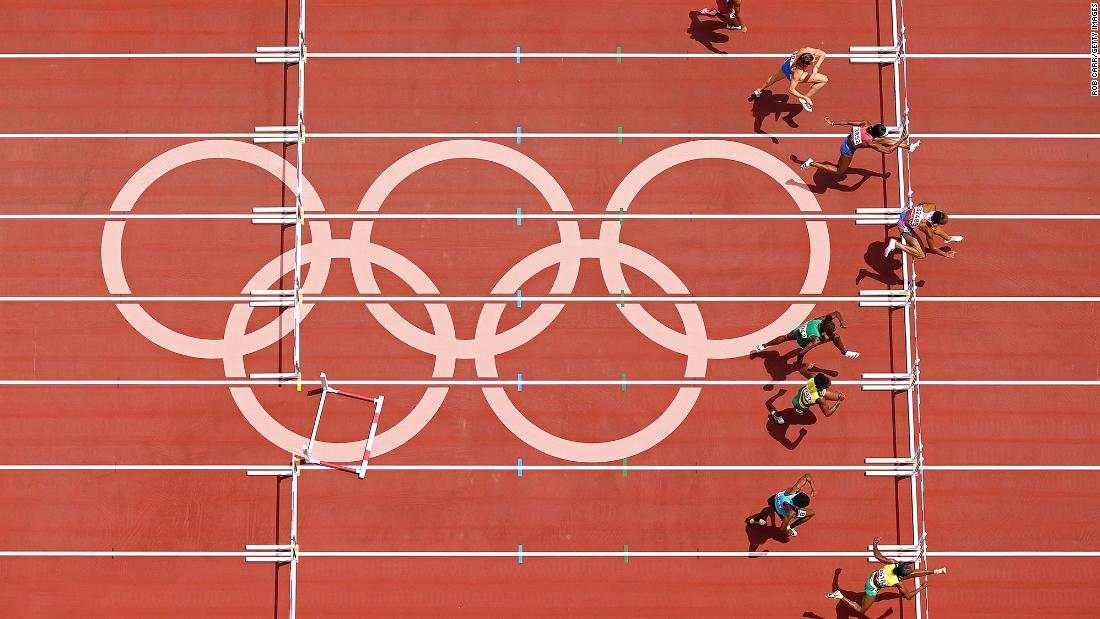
(686, 136)
(577, 468)
(513, 55)
(512, 135)
(120, 216)
(528, 299)
(526, 382)
(527, 554)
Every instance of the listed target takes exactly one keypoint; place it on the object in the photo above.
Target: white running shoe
(890, 247)
(809, 107)
(732, 27)
(806, 164)
(913, 146)
(851, 354)
(776, 418)
(760, 348)
(954, 239)
(709, 12)
(942, 570)
(835, 595)
(756, 93)
(791, 532)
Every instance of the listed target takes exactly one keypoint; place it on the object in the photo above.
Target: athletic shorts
(846, 148)
(787, 69)
(870, 588)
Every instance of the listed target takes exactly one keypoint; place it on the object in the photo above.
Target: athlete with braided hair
(862, 135)
(891, 574)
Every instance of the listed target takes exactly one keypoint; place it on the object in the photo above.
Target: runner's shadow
(778, 366)
(708, 32)
(884, 269)
(779, 432)
(758, 535)
(843, 611)
(776, 105)
(824, 181)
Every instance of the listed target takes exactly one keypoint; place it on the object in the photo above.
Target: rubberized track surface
(168, 422)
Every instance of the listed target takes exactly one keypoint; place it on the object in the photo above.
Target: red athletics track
(553, 511)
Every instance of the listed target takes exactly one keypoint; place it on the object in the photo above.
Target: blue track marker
(519, 383)
(519, 137)
(519, 216)
(520, 557)
(519, 473)
(517, 62)
(519, 302)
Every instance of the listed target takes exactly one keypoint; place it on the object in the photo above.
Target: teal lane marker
(626, 553)
(519, 300)
(618, 55)
(624, 467)
(517, 62)
(519, 473)
(519, 216)
(519, 384)
(622, 298)
(624, 382)
(520, 556)
(519, 135)
(620, 135)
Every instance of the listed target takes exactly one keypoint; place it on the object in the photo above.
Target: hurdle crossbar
(361, 469)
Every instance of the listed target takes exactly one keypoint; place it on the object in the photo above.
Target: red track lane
(578, 26)
(991, 186)
(989, 27)
(542, 510)
(1050, 425)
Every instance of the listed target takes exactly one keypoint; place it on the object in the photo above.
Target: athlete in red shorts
(729, 11)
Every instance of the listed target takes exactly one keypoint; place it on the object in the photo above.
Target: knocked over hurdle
(361, 469)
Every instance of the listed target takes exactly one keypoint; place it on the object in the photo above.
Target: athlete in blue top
(801, 67)
(789, 504)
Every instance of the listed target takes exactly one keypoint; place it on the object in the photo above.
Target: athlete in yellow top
(816, 392)
(891, 574)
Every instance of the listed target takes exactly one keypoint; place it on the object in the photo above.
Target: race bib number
(918, 213)
(857, 136)
(803, 330)
(794, 58)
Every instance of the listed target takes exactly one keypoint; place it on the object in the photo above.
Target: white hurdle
(361, 469)
(282, 553)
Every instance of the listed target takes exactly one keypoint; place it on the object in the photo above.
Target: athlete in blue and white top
(927, 219)
(790, 504)
(802, 67)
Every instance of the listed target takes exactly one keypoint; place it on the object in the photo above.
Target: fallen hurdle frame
(361, 469)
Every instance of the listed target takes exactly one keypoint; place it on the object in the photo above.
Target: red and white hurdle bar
(361, 469)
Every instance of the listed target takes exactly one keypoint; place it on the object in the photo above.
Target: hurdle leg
(317, 420)
(370, 438)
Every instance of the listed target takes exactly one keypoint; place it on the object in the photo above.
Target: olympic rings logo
(442, 342)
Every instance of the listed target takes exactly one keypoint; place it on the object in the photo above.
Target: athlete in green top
(810, 335)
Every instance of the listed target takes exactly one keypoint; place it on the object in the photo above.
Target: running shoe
(809, 107)
(710, 12)
(806, 164)
(890, 247)
(835, 595)
(776, 418)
